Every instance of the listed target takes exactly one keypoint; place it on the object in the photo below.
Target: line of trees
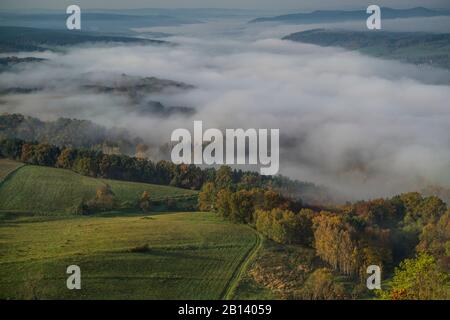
(95, 163)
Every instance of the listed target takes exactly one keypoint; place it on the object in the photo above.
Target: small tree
(104, 199)
(223, 203)
(145, 202)
(206, 197)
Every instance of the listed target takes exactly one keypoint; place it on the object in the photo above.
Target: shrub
(140, 249)
(322, 285)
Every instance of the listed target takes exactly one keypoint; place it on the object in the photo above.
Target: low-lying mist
(363, 126)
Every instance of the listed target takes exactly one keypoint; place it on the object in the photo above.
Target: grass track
(242, 268)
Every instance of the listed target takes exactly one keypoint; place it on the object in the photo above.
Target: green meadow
(191, 255)
(45, 190)
(122, 254)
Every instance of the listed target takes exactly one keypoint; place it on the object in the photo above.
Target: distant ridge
(111, 23)
(13, 39)
(339, 15)
(419, 48)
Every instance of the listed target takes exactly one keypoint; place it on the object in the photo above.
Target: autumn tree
(207, 197)
(27, 154)
(435, 240)
(322, 285)
(145, 202)
(224, 178)
(273, 199)
(333, 242)
(104, 199)
(66, 159)
(242, 206)
(223, 203)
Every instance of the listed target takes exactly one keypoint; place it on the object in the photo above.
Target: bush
(144, 202)
(140, 249)
(322, 285)
(104, 200)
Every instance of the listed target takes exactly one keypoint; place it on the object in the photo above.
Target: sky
(288, 5)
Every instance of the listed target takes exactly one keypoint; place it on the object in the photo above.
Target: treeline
(66, 132)
(95, 163)
(105, 200)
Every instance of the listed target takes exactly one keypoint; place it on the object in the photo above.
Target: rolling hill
(122, 254)
(340, 15)
(13, 39)
(51, 191)
(114, 22)
(412, 47)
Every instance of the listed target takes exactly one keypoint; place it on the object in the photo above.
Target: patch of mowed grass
(186, 256)
(46, 190)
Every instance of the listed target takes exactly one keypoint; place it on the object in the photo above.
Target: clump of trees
(239, 203)
(349, 247)
(435, 241)
(418, 279)
(285, 226)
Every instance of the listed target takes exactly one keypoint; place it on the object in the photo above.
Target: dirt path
(228, 292)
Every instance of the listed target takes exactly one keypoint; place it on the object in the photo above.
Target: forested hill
(339, 15)
(111, 22)
(13, 39)
(412, 47)
(67, 132)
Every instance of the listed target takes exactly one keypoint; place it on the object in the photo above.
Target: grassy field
(122, 254)
(189, 256)
(46, 190)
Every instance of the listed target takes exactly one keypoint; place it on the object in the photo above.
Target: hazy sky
(241, 4)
